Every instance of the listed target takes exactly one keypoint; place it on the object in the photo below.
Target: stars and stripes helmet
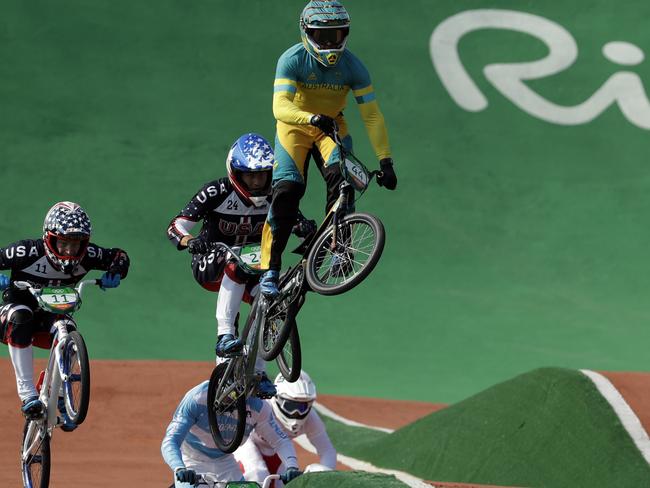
(251, 153)
(293, 401)
(66, 233)
(324, 26)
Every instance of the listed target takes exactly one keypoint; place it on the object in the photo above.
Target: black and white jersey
(225, 217)
(27, 261)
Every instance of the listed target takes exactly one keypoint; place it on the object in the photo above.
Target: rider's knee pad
(207, 269)
(16, 325)
(20, 315)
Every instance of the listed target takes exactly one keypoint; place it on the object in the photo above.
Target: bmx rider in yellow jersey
(312, 81)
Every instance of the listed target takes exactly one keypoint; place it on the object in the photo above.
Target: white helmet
(293, 401)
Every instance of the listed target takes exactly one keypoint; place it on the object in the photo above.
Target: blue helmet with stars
(251, 155)
(66, 233)
(324, 26)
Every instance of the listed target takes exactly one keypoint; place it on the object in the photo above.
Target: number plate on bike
(356, 174)
(251, 255)
(59, 299)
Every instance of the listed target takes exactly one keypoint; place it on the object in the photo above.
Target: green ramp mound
(347, 479)
(546, 428)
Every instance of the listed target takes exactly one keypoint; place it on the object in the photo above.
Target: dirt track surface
(132, 402)
(390, 414)
(635, 388)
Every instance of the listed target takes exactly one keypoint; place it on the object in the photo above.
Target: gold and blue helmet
(324, 26)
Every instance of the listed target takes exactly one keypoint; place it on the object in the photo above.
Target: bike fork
(55, 374)
(346, 205)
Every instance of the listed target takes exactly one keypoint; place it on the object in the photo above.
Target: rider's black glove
(290, 474)
(387, 178)
(304, 228)
(325, 123)
(197, 245)
(185, 475)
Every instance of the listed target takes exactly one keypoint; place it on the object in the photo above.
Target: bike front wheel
(290, 358)
(76, 389)
(226, 409)
(339, 261)
(35, 455)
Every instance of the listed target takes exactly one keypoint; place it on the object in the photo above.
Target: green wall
(512, 242)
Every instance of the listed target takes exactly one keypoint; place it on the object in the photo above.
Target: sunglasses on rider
(294, 409)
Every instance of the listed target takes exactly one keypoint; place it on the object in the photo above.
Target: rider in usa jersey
(231, 210)
(61, 257)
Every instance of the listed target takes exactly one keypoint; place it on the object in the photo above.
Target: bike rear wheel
(226, 409)
(290, 358)
(336, 267)
(76, 389)
(36, 464)
(281, 314)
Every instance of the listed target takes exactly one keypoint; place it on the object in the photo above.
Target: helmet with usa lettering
(250, 164)
(66, 233)
(324, 26)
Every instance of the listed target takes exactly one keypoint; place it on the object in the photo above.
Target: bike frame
(55, 375)
(247, 370)
(243, 367)
(343, 206)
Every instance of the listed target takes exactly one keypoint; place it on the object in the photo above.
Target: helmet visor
(328, 37)
(67, 247)
(294, 409)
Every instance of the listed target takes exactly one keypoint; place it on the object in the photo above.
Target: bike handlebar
(207, 479)
(337, 140)
(33, 288)
(213, 246)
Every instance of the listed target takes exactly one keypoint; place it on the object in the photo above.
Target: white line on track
(626, 415)
(320, 408)
(357, 464)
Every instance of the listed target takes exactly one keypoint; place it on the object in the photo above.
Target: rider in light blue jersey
(189, 450)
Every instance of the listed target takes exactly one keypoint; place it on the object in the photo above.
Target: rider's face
(68, 247)
(255, 181)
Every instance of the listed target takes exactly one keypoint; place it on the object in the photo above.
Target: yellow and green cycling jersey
(303, 87)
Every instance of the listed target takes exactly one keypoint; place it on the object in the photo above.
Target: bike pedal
(34, 416)
(229, 355)
(65, 427)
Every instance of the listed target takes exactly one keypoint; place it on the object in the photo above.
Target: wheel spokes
(74, 383)
(348, 258)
